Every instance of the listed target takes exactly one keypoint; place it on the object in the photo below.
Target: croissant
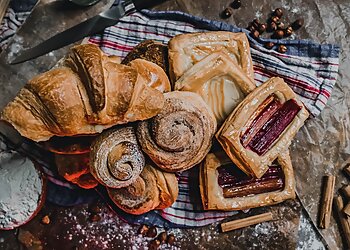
(116, 159)
(180, 136)
(153, 189)
(87, 93)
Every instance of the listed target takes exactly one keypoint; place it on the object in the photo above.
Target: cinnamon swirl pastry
(180, 136)
(153, 189)
(116, 159)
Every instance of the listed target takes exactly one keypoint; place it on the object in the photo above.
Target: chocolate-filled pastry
(86, 94)
(153, 189)
(149, 50)
(262, 126)
(219, 81)
(186, 50)
(116, 159)
(180, 136)
(223, 186)
(75, 168)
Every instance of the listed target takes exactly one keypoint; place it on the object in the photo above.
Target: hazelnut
(269, 45)
(162, 237)
(251, 27)
(297, 24)
(262, 28)
(45, 220)
(143, 229)
(152, 232)
(288, 31)
(236, 4)
(278, 12)
(280, 25)
(95, 209)
(282, 49)
(227, 12)
(275, 19)
(171, 239)
(278, 34)
(255, 34)
(271, 27)
(154, 244)
(95, 218)
(256, 23)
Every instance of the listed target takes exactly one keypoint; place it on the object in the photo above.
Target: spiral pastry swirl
(153, 189)
(180, 136)
(116, 159)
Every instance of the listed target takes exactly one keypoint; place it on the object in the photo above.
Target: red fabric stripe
(144, 32)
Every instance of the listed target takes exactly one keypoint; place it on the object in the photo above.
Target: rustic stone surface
(325, 138)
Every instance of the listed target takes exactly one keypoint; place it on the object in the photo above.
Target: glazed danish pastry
(223, 186)
(262, 126)
(186, 50)
(219, 81)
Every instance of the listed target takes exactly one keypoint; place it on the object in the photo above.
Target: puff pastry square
(214, 196)
(262, 126)
(220, 81)
(186, 50)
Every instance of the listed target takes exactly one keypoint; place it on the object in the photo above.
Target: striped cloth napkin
(15, 16)
(309, 69)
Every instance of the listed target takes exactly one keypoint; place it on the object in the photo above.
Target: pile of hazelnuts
(157, 239)
(275, 26)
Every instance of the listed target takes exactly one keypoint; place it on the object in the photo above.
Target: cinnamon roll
(180, 136)
(153, 189)
(116, 159)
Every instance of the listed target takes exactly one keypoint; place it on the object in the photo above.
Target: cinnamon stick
(345, 190)
(347, 169)
(339, 205)
(252, 220)
(326, 202)
(347, 209)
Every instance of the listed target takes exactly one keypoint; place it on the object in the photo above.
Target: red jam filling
(269, 124)
(235, 183)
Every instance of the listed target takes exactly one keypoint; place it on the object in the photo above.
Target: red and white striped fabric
(309, 69)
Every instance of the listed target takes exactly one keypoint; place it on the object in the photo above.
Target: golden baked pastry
(116, 159)
(219, 81)
(89, 93)
(75, 168)
(262, 126)
(149, 50)
(186, 50)
(153, 75)
(180, 136)
(224, 187)
(153, 189)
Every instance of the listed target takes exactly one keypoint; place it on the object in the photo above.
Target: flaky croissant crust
(87, 93)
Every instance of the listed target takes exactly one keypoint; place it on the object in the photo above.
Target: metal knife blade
(79, 31)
